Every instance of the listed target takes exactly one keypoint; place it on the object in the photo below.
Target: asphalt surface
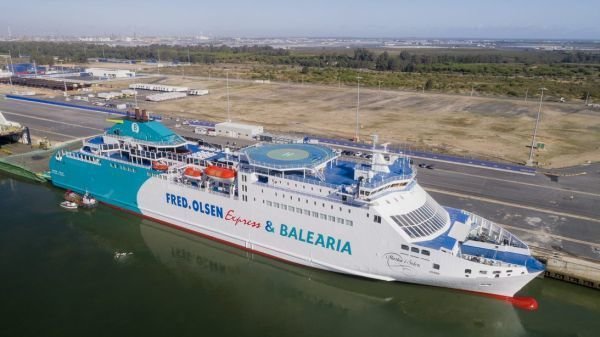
(557, 212)
(55, 123)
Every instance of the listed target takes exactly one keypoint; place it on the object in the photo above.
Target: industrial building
(198, 92)
(238, 130)
(158, 87)
(45, 83)
(109, 95)
(165, 96)
(109, 73)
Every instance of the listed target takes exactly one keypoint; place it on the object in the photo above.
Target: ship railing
(377, 182)
(299, 166)
(333, 197)
(178, 142)
(309, 181)
(486, 261)
(84, 157)
(484, 230)
(252, 169)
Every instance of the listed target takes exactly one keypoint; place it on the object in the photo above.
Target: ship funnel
(137, 113)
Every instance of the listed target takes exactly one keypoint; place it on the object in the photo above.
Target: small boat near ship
(68, 205)
(85, 201)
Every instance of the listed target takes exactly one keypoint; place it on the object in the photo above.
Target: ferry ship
(302, 203)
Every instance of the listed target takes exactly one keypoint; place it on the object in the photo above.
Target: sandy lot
(493, 128)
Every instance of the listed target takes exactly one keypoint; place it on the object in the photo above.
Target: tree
(382, 62)
(428, 84)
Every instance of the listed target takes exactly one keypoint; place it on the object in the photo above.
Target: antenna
(537, 122)
(228, 115)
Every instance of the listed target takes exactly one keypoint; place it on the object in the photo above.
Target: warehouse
(165, 96)
(158, 87)
(109, 73)
(238, 130)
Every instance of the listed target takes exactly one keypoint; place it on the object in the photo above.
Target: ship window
(405, 247)
(436, 266)
(299, 210)
(496, 272)
(276, 204)
(424, 221)
(283, 206)
(414, 249)
(269, 203)
(340, 220)
(306, 212)
(331, 218)
(367, 215)
(483, 272)
(377, 218)
(315, 214)
(291, 208)
(315, 203)
(323, 216)
(349, 222)
(467, 271)
(425, 252)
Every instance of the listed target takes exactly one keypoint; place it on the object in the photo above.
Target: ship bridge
(152, 133)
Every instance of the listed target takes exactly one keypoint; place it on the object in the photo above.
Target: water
(59, 277)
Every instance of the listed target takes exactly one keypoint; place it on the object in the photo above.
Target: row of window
(85, 157)
(415, 250)
(496, 273)
(308, 212)
(306, 201)
(122, 167)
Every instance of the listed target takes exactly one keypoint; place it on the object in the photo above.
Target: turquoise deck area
(150, 131)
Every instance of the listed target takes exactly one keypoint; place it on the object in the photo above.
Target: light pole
(227, 76)
(356, 139)
(537, 122)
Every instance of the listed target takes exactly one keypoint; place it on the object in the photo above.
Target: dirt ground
(493, 128)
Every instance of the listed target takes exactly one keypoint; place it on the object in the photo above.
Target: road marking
(54, 133)
(52, 121)
(581, 217)
(520, 182)
(538, 232)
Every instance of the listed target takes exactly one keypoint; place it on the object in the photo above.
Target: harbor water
(103, 272)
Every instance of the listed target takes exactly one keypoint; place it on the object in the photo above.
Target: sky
(574, 19)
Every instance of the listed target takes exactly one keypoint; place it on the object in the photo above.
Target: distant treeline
(466, 61)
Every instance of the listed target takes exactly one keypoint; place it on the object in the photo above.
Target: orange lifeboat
(220, 173)
(160, 165)
(192, 173)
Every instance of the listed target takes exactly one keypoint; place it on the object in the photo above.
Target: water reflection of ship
(411, 306)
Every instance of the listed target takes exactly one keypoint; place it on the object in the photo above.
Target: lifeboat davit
(160, 165)
(192, 173)
(220, 173)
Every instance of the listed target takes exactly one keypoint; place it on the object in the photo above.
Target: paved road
(561, 213)
(56, 123)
